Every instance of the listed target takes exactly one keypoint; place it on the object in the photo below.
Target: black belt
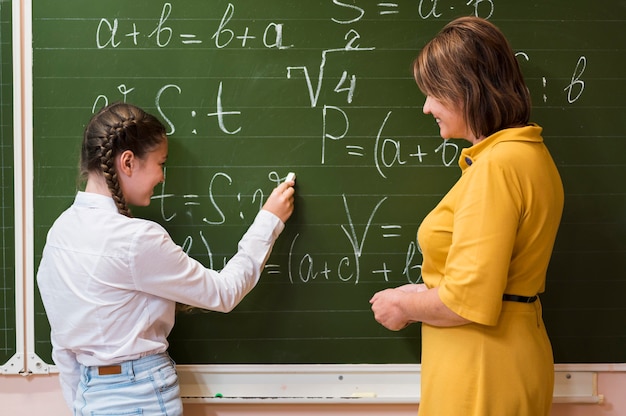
(516, 298)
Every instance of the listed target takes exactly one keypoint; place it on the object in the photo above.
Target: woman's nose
(426, 107)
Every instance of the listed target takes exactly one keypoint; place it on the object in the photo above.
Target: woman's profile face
(450, 119)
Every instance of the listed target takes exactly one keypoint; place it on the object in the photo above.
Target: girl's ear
(126, 162)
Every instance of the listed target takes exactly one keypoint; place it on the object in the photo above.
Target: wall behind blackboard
(252, 90)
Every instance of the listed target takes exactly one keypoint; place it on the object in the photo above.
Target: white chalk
(364, 395)
(290, 177)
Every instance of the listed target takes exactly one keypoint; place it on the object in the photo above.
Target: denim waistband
(132, 367)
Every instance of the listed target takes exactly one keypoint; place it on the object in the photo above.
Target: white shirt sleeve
(162, 268)
(69, 373)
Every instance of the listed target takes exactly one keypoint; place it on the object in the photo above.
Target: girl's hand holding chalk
(290, 177)
(280, 201)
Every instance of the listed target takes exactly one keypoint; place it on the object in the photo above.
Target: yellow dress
(492, 234)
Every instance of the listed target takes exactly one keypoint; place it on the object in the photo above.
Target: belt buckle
(109, 370)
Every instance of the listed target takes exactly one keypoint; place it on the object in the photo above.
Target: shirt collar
(529, 133)
(94, 201)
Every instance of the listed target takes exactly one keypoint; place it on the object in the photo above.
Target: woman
(110, 282)
(487, 244)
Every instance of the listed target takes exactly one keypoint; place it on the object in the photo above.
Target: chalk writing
(577, 85)
(329, 87)
(478, 12)
(352, 37)
(425, 9)
(251, 90)
(223, 36)
(109, 34)
(301, 267)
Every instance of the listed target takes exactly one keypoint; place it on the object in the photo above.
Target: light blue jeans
(147, 386)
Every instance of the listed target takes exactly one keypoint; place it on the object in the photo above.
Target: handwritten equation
(303, 266)
(322, 82)
(110, 33)
(229, 118)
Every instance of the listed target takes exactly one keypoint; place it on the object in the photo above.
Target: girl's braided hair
(114, 129)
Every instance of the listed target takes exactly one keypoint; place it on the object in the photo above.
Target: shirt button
(468, 161)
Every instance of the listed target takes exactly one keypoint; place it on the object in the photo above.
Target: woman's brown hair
(113, 130)
(469, 63)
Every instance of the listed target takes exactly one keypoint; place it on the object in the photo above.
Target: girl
(110, 282)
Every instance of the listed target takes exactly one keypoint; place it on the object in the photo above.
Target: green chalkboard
(251, 90)
(7, 229)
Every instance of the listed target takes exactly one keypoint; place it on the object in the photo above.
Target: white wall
(41, 395)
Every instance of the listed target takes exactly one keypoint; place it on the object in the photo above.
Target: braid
(113, 130)
(107, 165)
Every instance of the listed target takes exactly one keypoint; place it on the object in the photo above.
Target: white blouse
(110, 283)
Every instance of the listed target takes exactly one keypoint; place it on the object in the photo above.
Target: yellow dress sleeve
(487, 209)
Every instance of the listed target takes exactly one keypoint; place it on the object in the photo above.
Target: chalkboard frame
(24, 361)
(9, 322)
